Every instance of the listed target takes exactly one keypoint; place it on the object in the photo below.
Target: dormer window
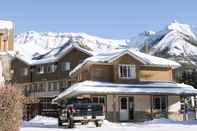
(127, 71)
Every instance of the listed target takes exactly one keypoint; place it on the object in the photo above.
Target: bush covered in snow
(10, 108)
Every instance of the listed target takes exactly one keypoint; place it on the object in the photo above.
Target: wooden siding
(17, 65)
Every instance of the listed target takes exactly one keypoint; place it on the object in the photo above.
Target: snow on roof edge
(143, 88)
(146, 59)
(29, 61)
(5, 24)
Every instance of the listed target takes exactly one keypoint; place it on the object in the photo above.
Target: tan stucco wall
(174, 107)
(142, 106)
(174, 104)
(110, 105)
(142, 103)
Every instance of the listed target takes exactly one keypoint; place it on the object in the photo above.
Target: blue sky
(105, 18)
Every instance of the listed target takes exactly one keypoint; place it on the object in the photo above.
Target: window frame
(130, 71)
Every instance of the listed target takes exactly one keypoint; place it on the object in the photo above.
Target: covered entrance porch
(135, 102)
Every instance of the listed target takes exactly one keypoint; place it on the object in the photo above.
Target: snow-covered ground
(40, 123)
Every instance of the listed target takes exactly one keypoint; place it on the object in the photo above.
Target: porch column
(195, 106)
(114, 108)
(151, 106)
(184, 107)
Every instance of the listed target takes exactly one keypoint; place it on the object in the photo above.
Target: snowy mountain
(37, 43)
(176, 41)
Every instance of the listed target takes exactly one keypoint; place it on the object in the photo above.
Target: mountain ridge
(176, 41)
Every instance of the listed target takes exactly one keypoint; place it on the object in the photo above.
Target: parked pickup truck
(81, 111)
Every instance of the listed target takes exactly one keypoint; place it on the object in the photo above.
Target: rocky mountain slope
(32, 43)
(176, 41)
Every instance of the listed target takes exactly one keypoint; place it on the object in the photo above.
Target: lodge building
(42, 80)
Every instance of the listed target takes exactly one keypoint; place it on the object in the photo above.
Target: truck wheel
(60, 122)
(70, 123)
(98, 124)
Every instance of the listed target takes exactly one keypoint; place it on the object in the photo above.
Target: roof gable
(132, 56)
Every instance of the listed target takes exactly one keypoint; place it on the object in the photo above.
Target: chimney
(146, 48)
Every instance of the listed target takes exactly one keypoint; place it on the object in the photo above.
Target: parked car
(81, 111)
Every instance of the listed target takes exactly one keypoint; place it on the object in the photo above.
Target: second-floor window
(51, 68)
(127, 71)
(40, 69)
(66, 66)
(24, 71)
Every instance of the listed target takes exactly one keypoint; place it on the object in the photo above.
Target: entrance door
(124, 109)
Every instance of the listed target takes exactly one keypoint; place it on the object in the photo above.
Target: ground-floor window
(160, 103)
(100, 99)
(46, 105)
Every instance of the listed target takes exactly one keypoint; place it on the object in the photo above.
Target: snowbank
(40, 121)
(169, 121)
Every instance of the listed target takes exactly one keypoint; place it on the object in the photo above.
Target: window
(31, 89)
(127, 71)
(24, 71)
(66, 66)
(46, 105)
(41, 87)
(53, 86)
(61, 85)
(26, 89)
(99, 99)
(35, 85)
(51, 68)
(160, 102)
(40, 69)
(50, 86)
(123, 103)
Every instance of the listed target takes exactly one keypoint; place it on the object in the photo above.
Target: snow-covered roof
(113, 55)
(48, 57)
(6, 25)
(93, 87)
